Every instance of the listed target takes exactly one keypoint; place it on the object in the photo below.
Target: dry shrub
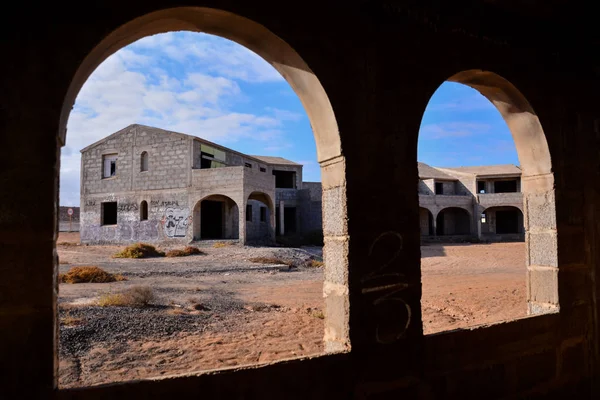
(315, 264)
(88, 274)
(186, 251)
(139, 250)
(270, 260)
(318, 314)
(177, 311)
(135, 296)
(221, 244)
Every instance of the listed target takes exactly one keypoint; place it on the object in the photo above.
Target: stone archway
(315, 101)
(260, 226)
(216, 217)
(426, 222)
(502, 220)
(537, 184)
(453, 221)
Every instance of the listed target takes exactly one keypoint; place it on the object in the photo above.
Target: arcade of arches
(365, 105)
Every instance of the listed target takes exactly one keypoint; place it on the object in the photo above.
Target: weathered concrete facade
(481, 202)
(147, 184)
(364, 71)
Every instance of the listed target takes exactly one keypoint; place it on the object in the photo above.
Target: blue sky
(213, 88)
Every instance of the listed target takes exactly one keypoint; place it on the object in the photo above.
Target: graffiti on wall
(176, 221)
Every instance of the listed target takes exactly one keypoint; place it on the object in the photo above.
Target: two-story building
(484, 202)
(148, 184)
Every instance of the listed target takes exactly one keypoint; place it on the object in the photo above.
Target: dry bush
(186, 251)
(177, 311)
(135, 296)
(270, 260)
(88, 274)
(139, 250)
(315, 264)
(318, 314)
(221, 244)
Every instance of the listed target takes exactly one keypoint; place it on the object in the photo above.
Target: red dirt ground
(463, 286)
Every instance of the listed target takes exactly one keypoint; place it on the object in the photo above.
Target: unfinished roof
(429, 172)
(489, 170)
(275, 160)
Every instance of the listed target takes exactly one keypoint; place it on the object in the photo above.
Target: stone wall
(368, 154)
(169, 218)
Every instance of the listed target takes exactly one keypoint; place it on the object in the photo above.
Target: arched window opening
(201, 186)
(144, 161)
(477, 172)
(144, 211)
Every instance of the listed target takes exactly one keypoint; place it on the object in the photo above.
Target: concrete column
(242, 222)
(477, 214)
(272, 222)
(281, 219)
(434, 222)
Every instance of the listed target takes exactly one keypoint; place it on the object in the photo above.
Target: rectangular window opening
(439, 188)
(249, 213)
(505, 186)
(247, 165)
(480, 187)
(285, 179)
(109, 165)
(109, 213)
(263, 169)
(263, 214)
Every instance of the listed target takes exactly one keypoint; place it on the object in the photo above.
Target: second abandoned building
(148, 184)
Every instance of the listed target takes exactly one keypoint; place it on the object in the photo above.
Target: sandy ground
(221, 310)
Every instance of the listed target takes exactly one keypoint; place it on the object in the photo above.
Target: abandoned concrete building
(364, 71)
(148, 184)
(483, 202)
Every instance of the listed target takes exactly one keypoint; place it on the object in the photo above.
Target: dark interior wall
(379, 62)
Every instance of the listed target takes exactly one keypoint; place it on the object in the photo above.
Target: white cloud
(181, 83)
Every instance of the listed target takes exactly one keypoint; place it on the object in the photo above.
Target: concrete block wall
(169, 163)
(372, 278)
(169, 218)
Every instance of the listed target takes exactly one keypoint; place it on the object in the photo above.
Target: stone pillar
(281, 219)
(434, 222)
(541, 239)
(477, 214)
(242, 222)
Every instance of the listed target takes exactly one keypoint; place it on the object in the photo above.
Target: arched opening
(216, 217)
(144, 210)
(502, 223)
(144, 161)
(175, 214)
(426, 222)
(498, 192)
(260, 218)
(453, 221)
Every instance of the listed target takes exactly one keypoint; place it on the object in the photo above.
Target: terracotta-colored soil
(469, 285)
(257, 313)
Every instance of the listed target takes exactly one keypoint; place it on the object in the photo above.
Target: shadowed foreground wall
(379, 63)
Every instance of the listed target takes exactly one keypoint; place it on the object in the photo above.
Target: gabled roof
(429, 172)
(489, 170)
(275, 160)
(127, 128)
